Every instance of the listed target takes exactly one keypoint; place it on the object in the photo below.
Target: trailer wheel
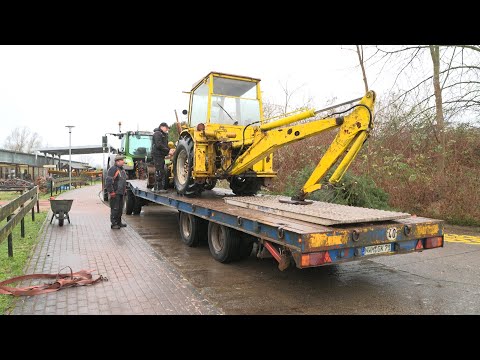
(137, 205)
(245, 246)
(130, 202)
(183, 167)
(192, 228)
(223, 242)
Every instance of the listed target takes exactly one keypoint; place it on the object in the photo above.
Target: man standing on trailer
(116, 185)
(160, 149)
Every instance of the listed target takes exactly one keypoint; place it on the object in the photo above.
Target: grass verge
(22, 250)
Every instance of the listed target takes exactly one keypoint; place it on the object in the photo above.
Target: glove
(113, 194)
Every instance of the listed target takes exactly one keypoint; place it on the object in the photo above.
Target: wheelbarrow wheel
(60, 222)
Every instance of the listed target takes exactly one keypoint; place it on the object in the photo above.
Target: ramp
(321, 213)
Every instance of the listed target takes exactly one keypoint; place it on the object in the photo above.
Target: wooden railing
(15, 212)
(59, 182)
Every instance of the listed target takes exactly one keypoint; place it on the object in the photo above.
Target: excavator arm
(353, 131)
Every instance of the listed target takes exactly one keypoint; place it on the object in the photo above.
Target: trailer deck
(308, 244)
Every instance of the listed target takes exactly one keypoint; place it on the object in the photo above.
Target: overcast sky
(94, 87)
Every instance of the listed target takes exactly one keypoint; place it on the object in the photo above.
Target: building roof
(76, 150)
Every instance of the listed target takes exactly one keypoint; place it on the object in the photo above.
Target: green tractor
(136, 146)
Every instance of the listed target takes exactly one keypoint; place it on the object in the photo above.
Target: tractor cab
(226, 100)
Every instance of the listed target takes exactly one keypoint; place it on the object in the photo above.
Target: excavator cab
(225, 100)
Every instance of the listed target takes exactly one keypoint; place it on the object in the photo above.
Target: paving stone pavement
(140, 280)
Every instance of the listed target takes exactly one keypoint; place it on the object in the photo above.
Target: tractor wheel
(210, 184)
(183, 168)
(130, 202)
(245, 186)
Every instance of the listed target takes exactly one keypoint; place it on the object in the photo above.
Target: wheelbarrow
(60, 209)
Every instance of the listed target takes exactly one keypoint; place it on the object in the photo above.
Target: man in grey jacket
(116, 185)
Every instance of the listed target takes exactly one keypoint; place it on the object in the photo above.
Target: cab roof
(216, 73)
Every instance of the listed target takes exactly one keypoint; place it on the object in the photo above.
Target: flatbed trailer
(232, 230)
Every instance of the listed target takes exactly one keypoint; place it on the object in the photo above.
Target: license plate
(377, 249)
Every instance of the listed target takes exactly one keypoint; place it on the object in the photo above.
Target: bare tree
(440, 120)
(288, 93)
(362, 65)
(21, 139)
(455, 75)
(270, 109)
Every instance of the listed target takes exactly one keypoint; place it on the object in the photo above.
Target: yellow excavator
(227, 137)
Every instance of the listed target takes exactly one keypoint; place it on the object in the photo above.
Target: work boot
(116, 226)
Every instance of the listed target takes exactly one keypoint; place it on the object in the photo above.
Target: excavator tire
(183, 168)
(247, 186)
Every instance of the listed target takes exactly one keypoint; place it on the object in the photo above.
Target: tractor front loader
(227, 137)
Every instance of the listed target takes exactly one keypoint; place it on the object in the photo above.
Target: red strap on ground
(80, 278)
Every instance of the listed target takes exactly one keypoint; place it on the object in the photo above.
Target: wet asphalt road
(439, 281)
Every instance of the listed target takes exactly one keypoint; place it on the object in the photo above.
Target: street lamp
(70, 155)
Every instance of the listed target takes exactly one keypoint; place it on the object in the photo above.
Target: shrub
(352, 190)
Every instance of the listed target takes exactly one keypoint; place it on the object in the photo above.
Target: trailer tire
(245, 246)
(183, 168)
(129, 202)
(223, 242)
(192, 228)
(137, 206)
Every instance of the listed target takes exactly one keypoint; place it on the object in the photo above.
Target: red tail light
(434, 242)
(318, 258)
(419, 245)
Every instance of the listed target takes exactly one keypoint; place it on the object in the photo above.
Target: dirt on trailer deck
(316, 212)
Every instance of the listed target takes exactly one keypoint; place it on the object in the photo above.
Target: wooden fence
(58, 183)
(15, 212)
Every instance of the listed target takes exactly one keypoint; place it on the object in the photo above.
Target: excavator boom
(353, 132)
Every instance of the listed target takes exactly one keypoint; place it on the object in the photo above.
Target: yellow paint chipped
(320, 240)
(466, 239)
(424, 230)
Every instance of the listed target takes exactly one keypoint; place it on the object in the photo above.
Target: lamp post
(70, 155)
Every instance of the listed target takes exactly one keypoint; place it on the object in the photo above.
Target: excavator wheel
(183, 168)
(245, 186)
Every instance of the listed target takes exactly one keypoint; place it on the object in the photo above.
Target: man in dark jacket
(160, 149)
(116, 185)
